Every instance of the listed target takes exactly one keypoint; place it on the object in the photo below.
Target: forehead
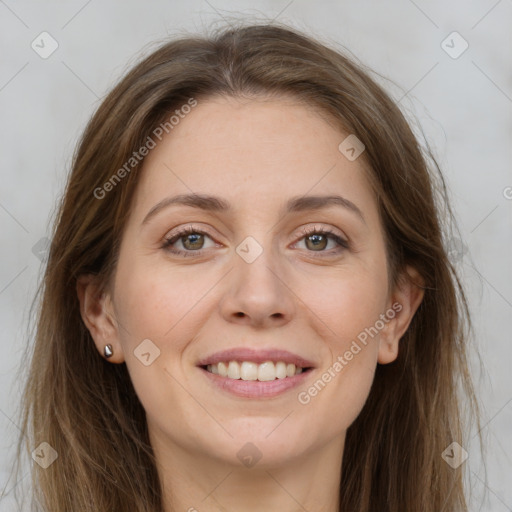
(256, 152)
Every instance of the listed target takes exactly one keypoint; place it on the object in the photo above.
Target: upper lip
(256, 356)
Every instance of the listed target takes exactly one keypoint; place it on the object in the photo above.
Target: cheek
(346, 316)
(346, 303)
(154, 301)
(155, 304)
(160, 304)
(347, 312)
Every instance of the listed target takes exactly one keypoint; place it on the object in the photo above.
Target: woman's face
(255, 275)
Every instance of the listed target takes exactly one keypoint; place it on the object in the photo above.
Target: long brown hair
(86, 409)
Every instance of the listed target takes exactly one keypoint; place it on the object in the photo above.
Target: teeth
(266, 371)
(233, 370)
(281, 370)
(247, 370)
(222, 369)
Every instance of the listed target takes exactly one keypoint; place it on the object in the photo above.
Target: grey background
(464, 105)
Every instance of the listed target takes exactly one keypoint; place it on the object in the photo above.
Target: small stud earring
(108, 351)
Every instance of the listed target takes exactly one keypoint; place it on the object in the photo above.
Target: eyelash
(168, 242)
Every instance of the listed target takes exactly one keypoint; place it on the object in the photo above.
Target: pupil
(316, 240)
(196, 236)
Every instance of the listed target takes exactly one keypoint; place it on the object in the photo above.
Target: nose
(258, 293)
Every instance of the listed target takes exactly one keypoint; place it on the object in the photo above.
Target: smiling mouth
(250, 371)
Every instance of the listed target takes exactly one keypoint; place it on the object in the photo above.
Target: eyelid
(316, 227)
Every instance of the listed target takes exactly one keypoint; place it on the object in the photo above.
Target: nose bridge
(257, 264)
(257, 289)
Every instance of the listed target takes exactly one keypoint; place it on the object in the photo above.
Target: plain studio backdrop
(447, 63)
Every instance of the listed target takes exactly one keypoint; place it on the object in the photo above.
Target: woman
(248, 304)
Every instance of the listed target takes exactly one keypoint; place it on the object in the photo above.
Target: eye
(317, 240)
(191, 239)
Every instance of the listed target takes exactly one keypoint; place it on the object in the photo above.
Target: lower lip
(256, 388)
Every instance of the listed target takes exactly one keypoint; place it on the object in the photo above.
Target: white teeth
(223, 369)
(266, 371)
(280, 370)
(247, 370)
(233, 370)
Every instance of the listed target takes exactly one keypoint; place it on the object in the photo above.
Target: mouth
(252, 373)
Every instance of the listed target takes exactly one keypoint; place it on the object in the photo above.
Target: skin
(256, 154)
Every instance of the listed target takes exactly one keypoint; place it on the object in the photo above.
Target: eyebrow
(216, 204)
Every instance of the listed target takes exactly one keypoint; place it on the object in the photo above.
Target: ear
(403, 304)
(98, 316)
